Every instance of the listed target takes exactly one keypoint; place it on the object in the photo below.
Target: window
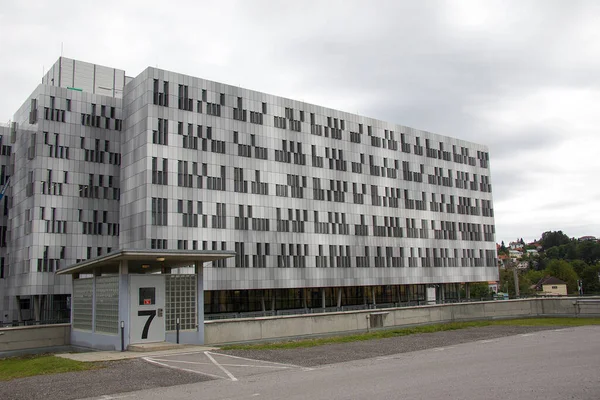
(160, 135)
(159, 211)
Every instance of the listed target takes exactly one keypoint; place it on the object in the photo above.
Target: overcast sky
(522, 77)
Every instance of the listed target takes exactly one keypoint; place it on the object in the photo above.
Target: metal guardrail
(304, 311)
(586, 307)
(358, 307)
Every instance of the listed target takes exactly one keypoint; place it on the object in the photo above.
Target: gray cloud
(445, 67)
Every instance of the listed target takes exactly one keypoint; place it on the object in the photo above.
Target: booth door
(147, 305)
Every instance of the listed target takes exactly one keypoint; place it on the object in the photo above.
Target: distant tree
(579, 266)
(553, 238)
(591, 279)
(588, 251)
(553, 253)
(503, 249)
(480, 290)
(566, 251)
(564, 271)
(570, 250)
(542, 262)
(534, 261)
(534, 276)
(507, 283)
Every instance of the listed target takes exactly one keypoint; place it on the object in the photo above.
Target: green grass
(21, 367)
(388, 333)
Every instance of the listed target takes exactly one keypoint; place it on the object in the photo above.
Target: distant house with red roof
(515, 245)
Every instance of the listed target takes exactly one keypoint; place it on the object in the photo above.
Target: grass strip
(21, 367)
(388, 333)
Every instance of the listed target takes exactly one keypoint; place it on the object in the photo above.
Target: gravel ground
(131, 375)
(337, 353)
(116, 377)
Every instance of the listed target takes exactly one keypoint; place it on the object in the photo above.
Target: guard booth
(130, 297)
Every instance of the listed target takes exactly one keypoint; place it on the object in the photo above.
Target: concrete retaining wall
(266, 328)
(31, 337)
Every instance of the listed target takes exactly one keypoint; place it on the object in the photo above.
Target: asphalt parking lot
(115, 377)
(119, 377)
(337, 353)
(554, 364)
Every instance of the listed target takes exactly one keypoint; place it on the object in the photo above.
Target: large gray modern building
(322, 207)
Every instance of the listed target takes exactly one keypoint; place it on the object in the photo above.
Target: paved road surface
(553, 364)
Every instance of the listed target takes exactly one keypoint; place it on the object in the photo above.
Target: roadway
(550, 364)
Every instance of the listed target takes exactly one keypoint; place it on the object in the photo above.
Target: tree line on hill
(567, 259)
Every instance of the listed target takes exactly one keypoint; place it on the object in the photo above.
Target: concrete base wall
(97, 341)
(268, 328)
(185, 337)
(31, 337)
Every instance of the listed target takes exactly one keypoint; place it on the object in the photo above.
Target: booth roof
(168, 258)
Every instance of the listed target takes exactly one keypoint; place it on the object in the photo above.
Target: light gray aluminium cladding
(306, 196)
(350, 201)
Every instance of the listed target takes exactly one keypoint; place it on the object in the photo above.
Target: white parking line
(150, 360)
(256, 366)
(184, 362)
(224, 364)
(242, 362)
(229, 374)
(270, 362)
(183, 353)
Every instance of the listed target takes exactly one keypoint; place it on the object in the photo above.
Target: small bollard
(177, 327)
(122, 335)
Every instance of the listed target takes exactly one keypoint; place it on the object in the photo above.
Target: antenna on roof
(61, 49)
